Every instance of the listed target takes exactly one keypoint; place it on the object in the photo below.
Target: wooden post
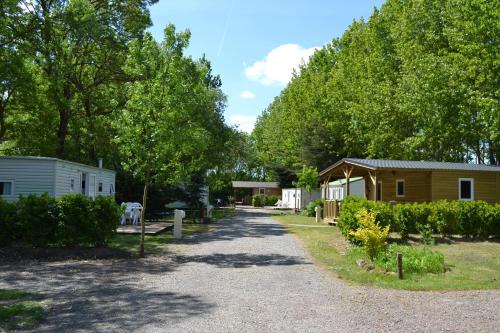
(373, 177)
(400, 265)
(347, 174)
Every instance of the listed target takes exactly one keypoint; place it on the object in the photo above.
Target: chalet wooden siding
(486, 185)
(417, 186)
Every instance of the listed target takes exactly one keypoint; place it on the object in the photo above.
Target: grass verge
(20, 310)
(470, 265)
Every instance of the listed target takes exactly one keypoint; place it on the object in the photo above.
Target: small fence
(331, 209)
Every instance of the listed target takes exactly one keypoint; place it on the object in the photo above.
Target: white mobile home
(297, 198)
(337, 188)
(22, 175)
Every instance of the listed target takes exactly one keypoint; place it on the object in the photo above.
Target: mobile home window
(100, 187)
(5, 188)
(466, 189)
(262, 191)
(72, 185)
(400, 188)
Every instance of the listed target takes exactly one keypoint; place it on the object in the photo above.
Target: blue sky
(254, 45)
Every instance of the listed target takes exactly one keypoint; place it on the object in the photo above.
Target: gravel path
(248, 275)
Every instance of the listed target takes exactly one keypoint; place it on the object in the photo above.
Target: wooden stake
(400, 265)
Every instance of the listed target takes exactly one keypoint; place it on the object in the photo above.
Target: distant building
(337, 188)
(297, 198)
(249, 188)
(23, 175)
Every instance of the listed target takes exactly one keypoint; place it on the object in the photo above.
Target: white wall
(337, 192)
(298, 198)
(67, 171)
(27, 175)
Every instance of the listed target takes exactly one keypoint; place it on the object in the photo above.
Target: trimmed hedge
(350, 207)
(72, 220)
(465, 218)
(260, 200)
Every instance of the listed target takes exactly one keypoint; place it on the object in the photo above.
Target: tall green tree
(168, 129)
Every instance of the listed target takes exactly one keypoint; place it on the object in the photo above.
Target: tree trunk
(143, 212)
(2, 121)
(62, 132)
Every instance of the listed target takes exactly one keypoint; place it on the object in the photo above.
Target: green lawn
(155, 244)
(20, 310)
(471, 265)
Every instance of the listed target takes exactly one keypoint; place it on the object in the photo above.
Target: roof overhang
(345, 161)
(250, 184)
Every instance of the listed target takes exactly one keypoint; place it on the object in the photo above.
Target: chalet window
(466, 189)
(100, 187)
(262, 191)
(72, 185)
(400, 188)
(5, 188)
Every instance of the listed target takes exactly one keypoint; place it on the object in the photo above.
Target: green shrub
(38, 219)
(350, 206)
(258, 200)
(442, 218)
(271, 200)
(494, 226)
(415, 260)
(76, 220)
(473, 218)
(370, 234)
(309, 210)
(408, 216)
(106, 214)
(8, 225)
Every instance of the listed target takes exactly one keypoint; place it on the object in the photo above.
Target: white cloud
(278, 65)
(247, 94)
(244, 123)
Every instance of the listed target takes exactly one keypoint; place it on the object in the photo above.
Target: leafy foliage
(72, 220)
(309, 209)
(415, 260)
(417, 80)
(370, 234)
(351, 206)
(38, 218)
(308, 179)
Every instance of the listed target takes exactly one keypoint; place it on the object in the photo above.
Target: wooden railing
(331, 209)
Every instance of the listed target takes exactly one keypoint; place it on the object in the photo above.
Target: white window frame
(12, 189)
(262, 189)
(404, 188)
(471, 180)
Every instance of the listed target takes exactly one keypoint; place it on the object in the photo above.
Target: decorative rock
(361, 262)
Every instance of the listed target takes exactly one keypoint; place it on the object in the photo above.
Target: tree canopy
(417, 80)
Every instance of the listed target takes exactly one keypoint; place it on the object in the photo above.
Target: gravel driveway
(248, 275)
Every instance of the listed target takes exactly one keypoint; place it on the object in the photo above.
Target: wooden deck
(151, 228)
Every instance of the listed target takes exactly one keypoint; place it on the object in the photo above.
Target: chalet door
(92, 185)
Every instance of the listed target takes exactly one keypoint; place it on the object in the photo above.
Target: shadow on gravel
(246, 223)
(241, 260)
(102, 295)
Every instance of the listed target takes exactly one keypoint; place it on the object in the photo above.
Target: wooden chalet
(413, 181)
